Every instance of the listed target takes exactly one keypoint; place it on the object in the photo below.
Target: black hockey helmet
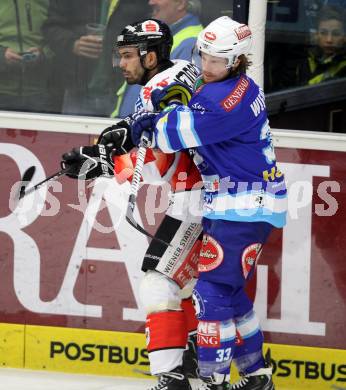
(148, 35)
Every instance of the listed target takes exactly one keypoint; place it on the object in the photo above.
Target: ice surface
(15, 379)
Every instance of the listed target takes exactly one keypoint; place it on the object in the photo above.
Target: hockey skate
(173, 380)
(207, 384)
(215, 382)
(190, 362)
(258, 380)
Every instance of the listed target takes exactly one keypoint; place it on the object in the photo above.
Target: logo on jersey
(208, 334)
(242, 32)
(163, 83)
(198, 304)
(150, 26)
(199, 107)
(236, 96)
(209, 36)
(249, 258)
(188, 75)
(139, 104)
(147, 93)
(211, 254)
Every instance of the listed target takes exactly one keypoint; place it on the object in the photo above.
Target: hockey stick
(28, 175)
(136, 179)
(26, 179)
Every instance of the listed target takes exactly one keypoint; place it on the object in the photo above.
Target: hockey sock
(248, 355)
(166, 336)
(216, 328)
(216, 342)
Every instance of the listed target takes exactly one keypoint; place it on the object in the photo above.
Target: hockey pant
(170, 318)
(228, 327)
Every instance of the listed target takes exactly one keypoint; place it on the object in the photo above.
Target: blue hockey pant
(228, 327)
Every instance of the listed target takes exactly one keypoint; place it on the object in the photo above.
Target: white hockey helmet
(225, 38)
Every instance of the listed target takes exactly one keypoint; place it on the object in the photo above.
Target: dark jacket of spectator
(66, 23)
(89, 82)
(107, 78)
(24, 57)
(318, 68)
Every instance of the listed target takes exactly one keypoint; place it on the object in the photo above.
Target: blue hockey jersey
(226, 128)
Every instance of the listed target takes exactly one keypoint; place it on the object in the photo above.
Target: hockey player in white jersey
(142, 52)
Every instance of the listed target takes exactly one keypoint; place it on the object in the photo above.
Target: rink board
(122, 354)
(12, 345)
(71, 263)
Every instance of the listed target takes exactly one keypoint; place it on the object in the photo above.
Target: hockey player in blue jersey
(225, 126)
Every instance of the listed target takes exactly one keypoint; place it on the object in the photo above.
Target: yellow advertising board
(12, 345)
(124, 354)
(296, 367)
(85, 351)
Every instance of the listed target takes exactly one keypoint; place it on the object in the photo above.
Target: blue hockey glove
(142, 121)
(175, 93)
(88, 162)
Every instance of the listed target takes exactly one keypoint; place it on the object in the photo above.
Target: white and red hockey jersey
(161, 167)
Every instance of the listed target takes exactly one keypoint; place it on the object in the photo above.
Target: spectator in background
(106, 79)
(74, 32)
(326, 60)
(182, 18)
(24, 58)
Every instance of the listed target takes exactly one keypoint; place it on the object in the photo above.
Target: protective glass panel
(305, 43)
(57, 56)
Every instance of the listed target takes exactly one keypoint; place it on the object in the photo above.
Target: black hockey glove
(88, 162)
(118, 137)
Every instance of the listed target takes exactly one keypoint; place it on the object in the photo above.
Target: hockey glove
(88, 162)
(176, 93)
(143, 121)
(118, 137)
